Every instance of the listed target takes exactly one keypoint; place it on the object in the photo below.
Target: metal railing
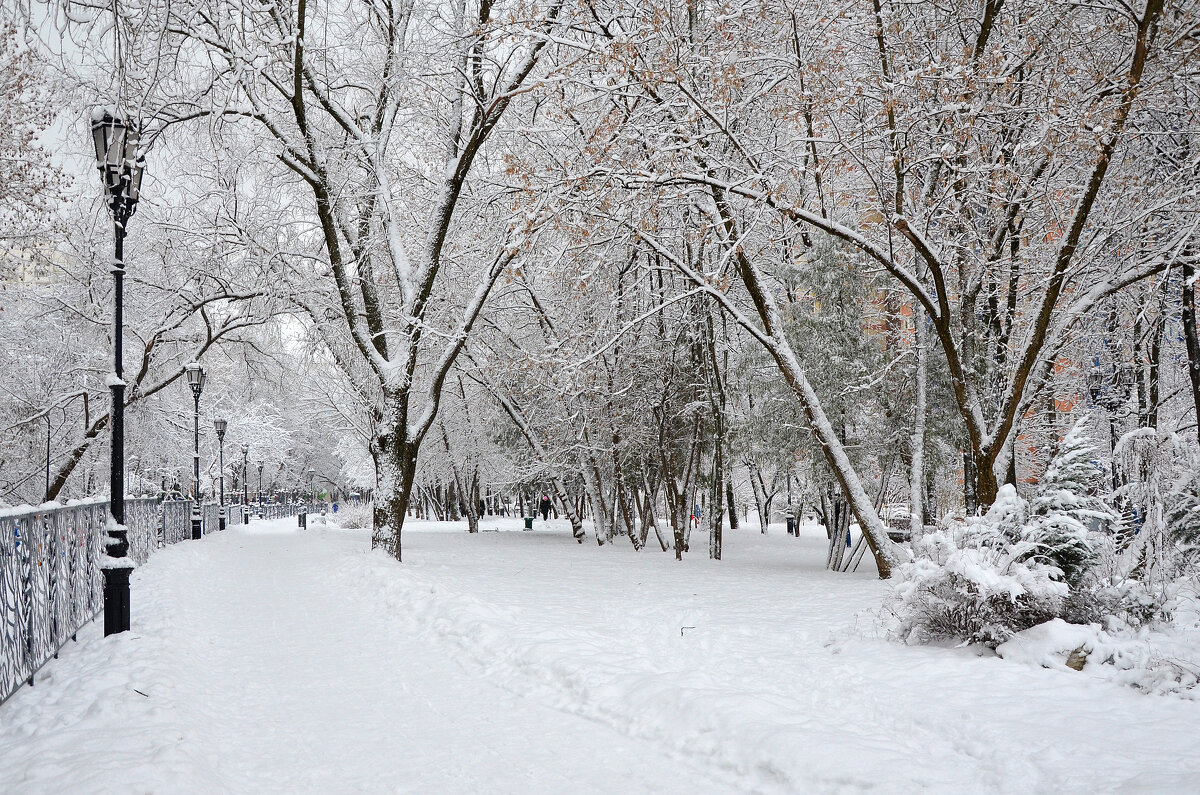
(50, 584)
(279, 510)
(143, 518)
(50, 579)
(210, 512)
(176, 521)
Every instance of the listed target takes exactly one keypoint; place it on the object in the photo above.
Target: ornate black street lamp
(259, 496)
(195, 377)
(245, 482)
(219, 425)
(121, 170)
(312, 486)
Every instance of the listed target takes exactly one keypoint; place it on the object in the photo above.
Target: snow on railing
(50, 579)
(279, 510)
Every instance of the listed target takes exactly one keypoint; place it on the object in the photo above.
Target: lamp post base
(197, 528)
(116, 600)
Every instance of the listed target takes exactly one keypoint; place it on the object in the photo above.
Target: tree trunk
(573, 515)
(732, 507)
(916, 480)
(971, 482)
(716, 517)
(762, 498)
(1191, 337)
(595, 494)
(395, 468)
(472, 503)
(647, 510)
(716, 395)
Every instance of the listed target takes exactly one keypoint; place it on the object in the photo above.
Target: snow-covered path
(265, 659)
(248, 671)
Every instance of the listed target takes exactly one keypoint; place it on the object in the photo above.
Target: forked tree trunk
(472, 503)
(762, 498)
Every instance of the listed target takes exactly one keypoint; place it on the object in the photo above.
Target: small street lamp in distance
(219, 425)
(121, 169)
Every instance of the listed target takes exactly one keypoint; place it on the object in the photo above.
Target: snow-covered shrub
(1065, 516)
(1021, 564)
(354, 517)
(1124, 602)
(977, 583)
(1151, 661)
(1183, 519)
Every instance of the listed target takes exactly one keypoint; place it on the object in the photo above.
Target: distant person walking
(544, 506)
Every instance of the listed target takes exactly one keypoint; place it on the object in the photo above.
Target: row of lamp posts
(196, 377)
(121, 168)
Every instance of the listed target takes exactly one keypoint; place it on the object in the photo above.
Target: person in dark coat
(544, 506)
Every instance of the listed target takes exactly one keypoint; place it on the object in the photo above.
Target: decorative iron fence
(50, 584)
(212, 517)
(143, 520)
(50, 579)
(176, 521)
(279, 510)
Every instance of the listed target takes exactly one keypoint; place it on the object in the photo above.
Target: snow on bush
(1152, 661)
(1059, 582)
(1064, 512)
(354, 517)
(1181, 509)
(978, 583)
(1020, 565)
(1058, 644)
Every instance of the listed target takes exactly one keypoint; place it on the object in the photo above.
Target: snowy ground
(267, 659)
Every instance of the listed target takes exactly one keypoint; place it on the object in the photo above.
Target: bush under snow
(1051, 582)
(977, 583)
(1023, 563)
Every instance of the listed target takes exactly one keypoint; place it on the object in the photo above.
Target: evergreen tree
(1065, 513)
(1182, 507)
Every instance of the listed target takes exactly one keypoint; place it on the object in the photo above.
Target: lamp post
(219, 425)
(195, 377)
(259, 495)
(245, 482)
(121, 168)
(312, 486)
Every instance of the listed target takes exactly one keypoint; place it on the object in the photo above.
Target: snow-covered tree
(1066, 516)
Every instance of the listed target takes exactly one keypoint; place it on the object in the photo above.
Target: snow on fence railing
(212, 517)
(176, 521)
(50, 583)
(279, 510)
(142, 518)
(50, 580)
